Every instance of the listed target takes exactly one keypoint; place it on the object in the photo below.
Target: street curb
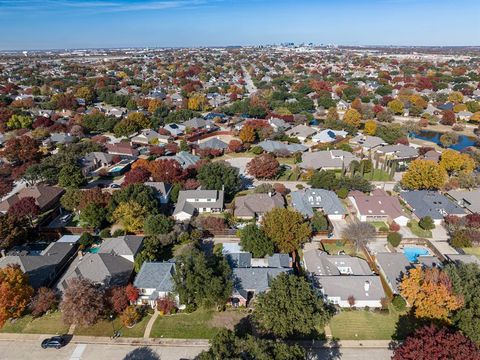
(78, 339)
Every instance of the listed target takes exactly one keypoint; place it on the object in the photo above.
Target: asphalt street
(28, 350)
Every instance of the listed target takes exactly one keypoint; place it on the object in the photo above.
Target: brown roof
(45, 196)
(254, 204)
(378, 203)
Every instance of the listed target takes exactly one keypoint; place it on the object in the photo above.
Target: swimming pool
(413, 252)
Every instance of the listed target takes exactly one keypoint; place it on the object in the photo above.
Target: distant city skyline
(59, 24)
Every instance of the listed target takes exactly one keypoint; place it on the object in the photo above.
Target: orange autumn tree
(430, 293)
(15, 293)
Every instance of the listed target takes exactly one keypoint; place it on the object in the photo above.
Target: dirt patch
(227, 319)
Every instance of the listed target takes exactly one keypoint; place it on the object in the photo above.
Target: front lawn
(47, 324)
(364, 325)
(105, 328)
(201, 324)
(417, 230)
(379, 224)
(472, 251)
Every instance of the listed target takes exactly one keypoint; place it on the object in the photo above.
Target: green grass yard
(334, 248)
(378, 175)
(105, 328)
(364, 325)
(417, 230)
(47, 324)
(201, 324)
(379, 224)
(472, 251)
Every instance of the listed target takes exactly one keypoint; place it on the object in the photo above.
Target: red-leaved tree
(24, 208)
(45, 299)
(167, 170)
(132, 293)
(264, 166)
(118, 299)
(138, 175)
(432, 343)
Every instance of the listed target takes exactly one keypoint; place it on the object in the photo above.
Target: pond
(434, 136)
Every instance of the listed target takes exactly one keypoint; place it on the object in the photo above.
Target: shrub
(299, 186)
(166, 305)
(130, 316)
(44, 300)
(399, 303)
(460, 239)
(105, 233)
(257, 150)
(394, 238)
(118, 232)
(213, 224)
(342, 193)
(86, 239)
(426, 223)
(383, 229)
(394, 227)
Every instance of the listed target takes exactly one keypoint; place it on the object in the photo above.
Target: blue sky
(56, 24)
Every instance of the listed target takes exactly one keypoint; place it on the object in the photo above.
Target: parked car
(54, 342)
(115, 186)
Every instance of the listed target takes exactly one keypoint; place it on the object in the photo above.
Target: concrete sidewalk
(76, 339)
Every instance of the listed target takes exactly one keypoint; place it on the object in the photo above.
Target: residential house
(367, 142)
(307, 201)
(469, 200)
(253, 206)
(213, 143)
(46, 197)
(378, 206)
(122, 149)
(199, 123)
(431, 203)
(278, 124)
(163, 190)
(155, 281)
(397, 152)
(327, 160)
(95, 160)
(393, 266)
(191, 202)
(301, 132)
(175, 129)
(432, 155)
(328, 136)
(150, 137)
(252, 276)
(343, 279)
(342, 105)
(464, 115)
(43, 268)
(184, 158)
(277, 146)
(111, 265)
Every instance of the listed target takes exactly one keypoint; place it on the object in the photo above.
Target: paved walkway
(148, 328)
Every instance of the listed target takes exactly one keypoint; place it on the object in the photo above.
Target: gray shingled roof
(272, 146)
(213, 143)
(320, 263)
(394, 266)
(431, 203)
(156, 275)
(122, 245)
(468, 199)
(189, 207)
(328, 159)
(255, 279)
(305, 201)
(346, 286)
(254, 204)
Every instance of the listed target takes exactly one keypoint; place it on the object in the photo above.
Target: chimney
(366, 286)
(80, 254)
(2, 252)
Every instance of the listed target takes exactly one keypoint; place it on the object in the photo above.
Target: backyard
(363, 325)
(201, 324)
(472, 251)
(333, 248)
(418, 231)
(377, 175)
(47, 324)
